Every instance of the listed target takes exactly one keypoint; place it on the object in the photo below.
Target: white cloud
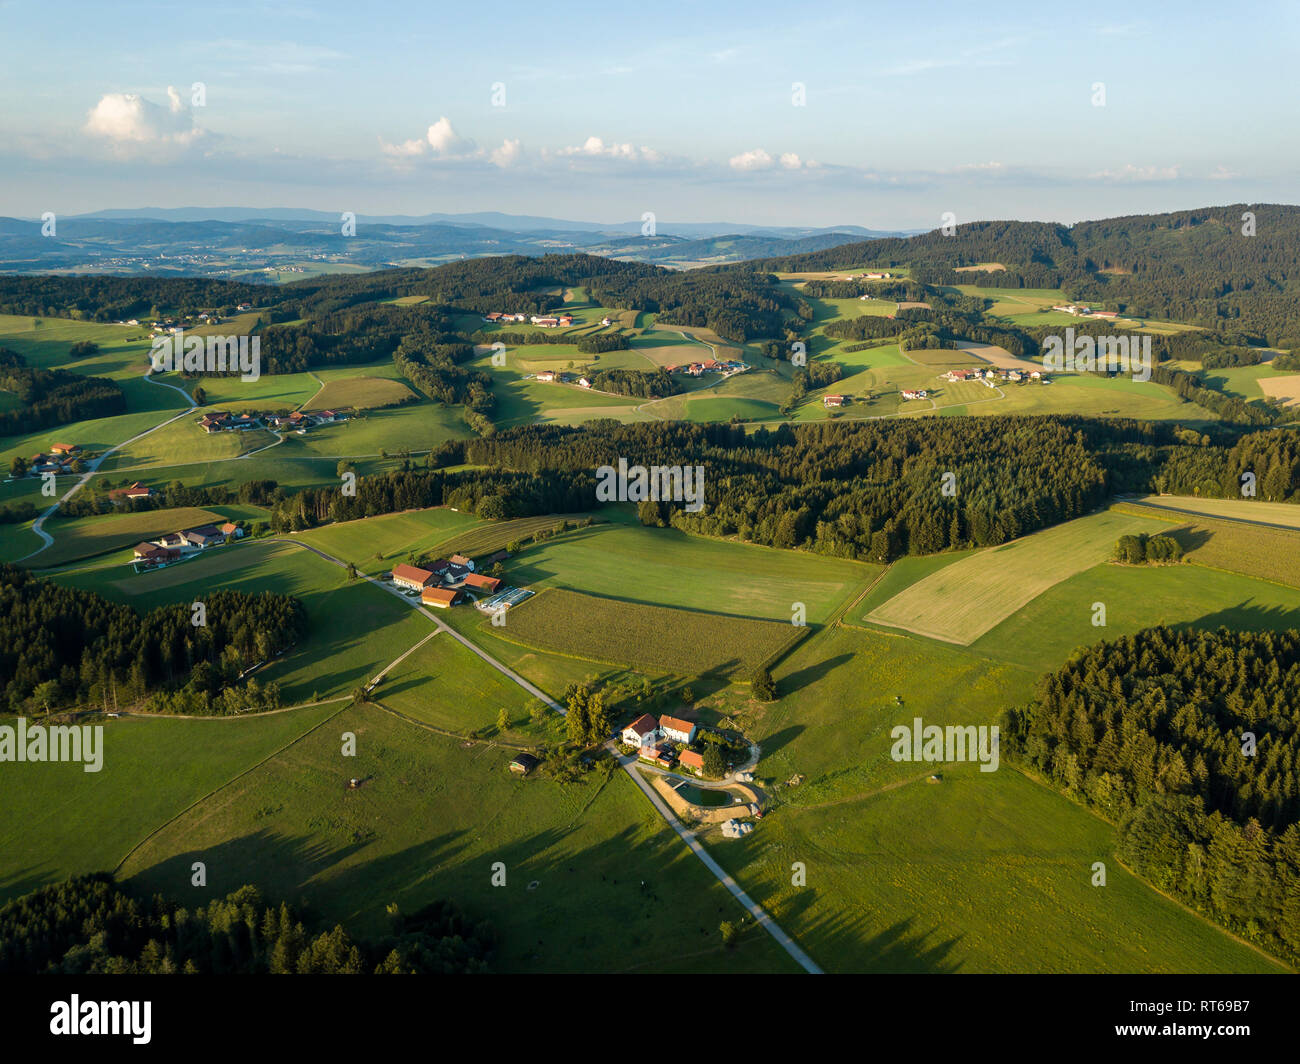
(127, 119)
(506, 155)
(444, 140)
(757, 159)
(1222, 173)
(1129, 172)
(595, 147)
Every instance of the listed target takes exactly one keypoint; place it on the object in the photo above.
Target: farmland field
(429, 822)
(656, 637)
(961, 602)
(1277, 514)
(358, 393)
(83, 537)
(61, 820)
(667, 567)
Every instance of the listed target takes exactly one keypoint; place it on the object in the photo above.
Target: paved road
(38, 526)
(755, 910)
(766, 922)
(442, 627)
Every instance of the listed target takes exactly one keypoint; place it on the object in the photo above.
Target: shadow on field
(1190, 538)
(1246, 617)
(796, 681)
(898, 949)
(784, 737)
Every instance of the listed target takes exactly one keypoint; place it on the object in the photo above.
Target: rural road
(38, 526)
(755, 910)
(785, 941)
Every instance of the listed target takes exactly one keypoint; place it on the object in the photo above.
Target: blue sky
(687, 110)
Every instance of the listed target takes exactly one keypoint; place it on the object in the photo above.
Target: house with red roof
(642, 733)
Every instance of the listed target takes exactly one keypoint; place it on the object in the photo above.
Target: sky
(889, 116)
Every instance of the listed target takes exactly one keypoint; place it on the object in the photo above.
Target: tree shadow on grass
(802, 678)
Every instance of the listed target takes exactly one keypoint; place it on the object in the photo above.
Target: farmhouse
(910, 394)
(411, 576)
(546, 375)
(207, 536)
(642, 733)
(584, 382)
(154, 554)
(460, 559)
(691, 760)
(483, 583)
(962, 375)
(231, 529)
(135, 490)
(679, 731)
(832, 400)
(63, 449)
(662, 756)
(442, 597)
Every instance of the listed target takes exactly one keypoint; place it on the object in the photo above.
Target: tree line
(89, 925)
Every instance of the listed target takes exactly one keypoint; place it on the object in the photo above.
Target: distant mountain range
(245, 241)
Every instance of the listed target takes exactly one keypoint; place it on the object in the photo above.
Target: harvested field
(654, 637)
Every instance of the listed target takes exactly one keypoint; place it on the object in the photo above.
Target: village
(298, 421)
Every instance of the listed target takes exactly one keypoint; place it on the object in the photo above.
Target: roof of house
(676, 724)
(229, 528)
(489, 583)
(643, 725)
(525, 761)
(459, 559)
(691, 759)
(65, 447)
(445, 595)
(411, 572)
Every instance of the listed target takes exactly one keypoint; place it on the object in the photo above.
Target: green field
(61, 820)
(1277, 514)
(390, 536)
(429, 822)
(84, 537)
(961, 602)
(652, 637)
(359, 393)
(667, 567)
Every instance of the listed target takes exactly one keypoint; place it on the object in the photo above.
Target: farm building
(691, 760)
(154, 554)
(546, 375)
(411, 576)
(679, 731)
(460, 559)
(65, 448)
(207, 536)
(442, 597)
(482, 583)
(231, 529)
(524, 764)
(832, 400)
(135, 490)
(642, 733)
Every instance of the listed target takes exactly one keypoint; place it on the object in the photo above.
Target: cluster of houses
(445, 581)
(868, 277)
(1082, 311)
(58, 459)
(174, 546)
(987, 375)
(223, 421)
(656, 741)
(557, 377)
(546, 321)
(712, 365)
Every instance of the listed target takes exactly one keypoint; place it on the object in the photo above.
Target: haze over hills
(239, 241)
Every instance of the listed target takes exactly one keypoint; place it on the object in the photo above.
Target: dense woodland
(1198, 266)
(64, 647)
(1189, 741)
(89, 925)
(51, 397)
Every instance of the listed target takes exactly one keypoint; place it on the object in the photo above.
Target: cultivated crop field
(1278, 514)
(654, 637)
(358, 393)
(961, 602)
(391, 536)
